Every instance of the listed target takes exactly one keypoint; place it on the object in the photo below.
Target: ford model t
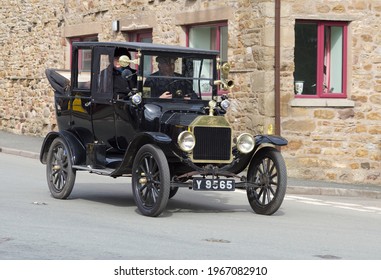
(156, 114)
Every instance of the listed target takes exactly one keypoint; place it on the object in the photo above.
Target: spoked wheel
(59, 172)
(150, 180)
(268, 172)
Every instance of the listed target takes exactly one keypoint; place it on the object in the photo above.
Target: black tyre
(59, 172)
(268, 172)
(150, 180)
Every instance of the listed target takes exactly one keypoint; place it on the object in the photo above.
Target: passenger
(123, 83)
(168, 87)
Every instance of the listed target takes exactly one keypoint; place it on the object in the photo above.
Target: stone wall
(336, 142)
(30, 41)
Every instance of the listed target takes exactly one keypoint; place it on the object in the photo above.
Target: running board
(103, 171)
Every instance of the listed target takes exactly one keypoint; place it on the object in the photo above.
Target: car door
(102, 105)
(80, 99)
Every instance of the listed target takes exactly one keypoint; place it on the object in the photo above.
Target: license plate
(201, 184)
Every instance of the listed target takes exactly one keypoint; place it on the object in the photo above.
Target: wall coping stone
(321, 102)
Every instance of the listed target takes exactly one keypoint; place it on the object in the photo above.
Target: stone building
(329, 49)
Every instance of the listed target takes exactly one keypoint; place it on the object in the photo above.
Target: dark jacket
(123, 84)
(159, 85)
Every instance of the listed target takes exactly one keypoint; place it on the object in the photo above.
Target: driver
(168, 88)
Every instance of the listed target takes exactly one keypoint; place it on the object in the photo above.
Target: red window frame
(79, 39)
(218, 25)
(215, 44)
(320, 56)
(140, 35)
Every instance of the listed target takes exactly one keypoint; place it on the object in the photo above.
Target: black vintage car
(156, 113)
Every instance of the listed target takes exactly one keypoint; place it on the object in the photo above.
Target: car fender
(270, 139)
(160, 139)
(264, 149)
(267, 142)
(77, 149)
(262, 142)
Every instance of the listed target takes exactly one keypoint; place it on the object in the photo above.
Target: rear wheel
(268, 172)
(59, 172)
(150, 180)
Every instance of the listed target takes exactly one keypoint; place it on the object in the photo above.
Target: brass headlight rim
(180, 141)
(239, 139)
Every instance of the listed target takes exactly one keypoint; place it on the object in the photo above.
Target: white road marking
(344, 204)
(301, 198)
(373, 208)
(354, 209)
(341, 205)
(314, 203)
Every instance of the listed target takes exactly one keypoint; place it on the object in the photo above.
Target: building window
(84, 57)
(144, 36)
(211, 37)
(320, 59)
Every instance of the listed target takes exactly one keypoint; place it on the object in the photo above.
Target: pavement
(30, 146)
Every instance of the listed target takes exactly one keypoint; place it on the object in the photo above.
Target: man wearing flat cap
(113, 75)
(121, 83)
(162, 83)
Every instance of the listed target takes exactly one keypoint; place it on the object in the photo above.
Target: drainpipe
(277, 68)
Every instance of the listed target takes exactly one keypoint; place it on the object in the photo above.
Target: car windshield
(177, 76)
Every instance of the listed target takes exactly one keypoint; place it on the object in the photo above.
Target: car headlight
(136, 99)
(186, 141)
(225, 104)
(245, 143)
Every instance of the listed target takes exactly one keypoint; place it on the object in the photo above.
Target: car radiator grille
(212, 144)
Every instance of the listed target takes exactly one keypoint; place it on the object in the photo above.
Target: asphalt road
(100, 221)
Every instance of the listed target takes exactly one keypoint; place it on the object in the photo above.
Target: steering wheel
(177, 87)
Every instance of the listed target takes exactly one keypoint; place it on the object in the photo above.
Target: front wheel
(59, 172)
(268, 173)
(150, 180)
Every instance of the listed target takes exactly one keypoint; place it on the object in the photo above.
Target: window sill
(322, 102)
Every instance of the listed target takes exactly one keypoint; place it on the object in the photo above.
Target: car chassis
(162, 144)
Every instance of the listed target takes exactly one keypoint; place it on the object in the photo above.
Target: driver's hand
(166, 95)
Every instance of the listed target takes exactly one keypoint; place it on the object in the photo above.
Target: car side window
(102, 80)
(83, 77)
(105, 75)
